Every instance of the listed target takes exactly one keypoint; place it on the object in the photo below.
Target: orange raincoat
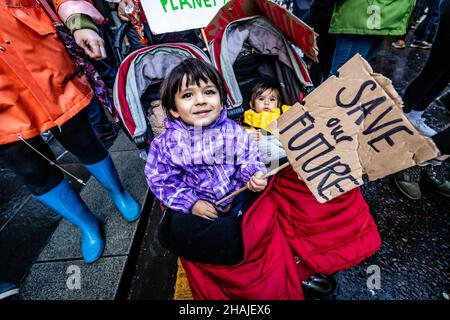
(40, 87)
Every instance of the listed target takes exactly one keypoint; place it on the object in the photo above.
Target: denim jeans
(301, 9)
(98, 118)
(349, 45)
(427, 28)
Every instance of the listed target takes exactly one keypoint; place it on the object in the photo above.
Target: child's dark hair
(195, 71)
(259, 90)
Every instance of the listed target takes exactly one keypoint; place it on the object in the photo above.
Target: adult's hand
(121, 10)
(91, 42)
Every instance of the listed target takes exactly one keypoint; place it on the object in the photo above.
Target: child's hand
(255, 134)
(257, 182)
(204, 209)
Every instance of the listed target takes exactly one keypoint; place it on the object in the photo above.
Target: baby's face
(267, 101)
(197, 105)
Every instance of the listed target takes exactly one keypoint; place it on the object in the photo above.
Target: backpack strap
(52, 15)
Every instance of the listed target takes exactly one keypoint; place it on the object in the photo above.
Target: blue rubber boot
(106, 174)
(66, 202)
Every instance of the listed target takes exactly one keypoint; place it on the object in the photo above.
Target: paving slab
(61, 258)
(65, 241)
(73, 280)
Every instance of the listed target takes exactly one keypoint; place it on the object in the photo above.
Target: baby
(264, 109)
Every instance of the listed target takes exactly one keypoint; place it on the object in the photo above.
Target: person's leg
(420, 30)
(418, 11)
(78, 137)
(100, 122)
(301, 9)
(444, 100)
(374, 47)
(47, 184)
(33, 170)
(425, 29)
(423, 100)
(442, 141)
(320, 71)
(433, 28)
(198, 239)
(349, 45)
(434, 76)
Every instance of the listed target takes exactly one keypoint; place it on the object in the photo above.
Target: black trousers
(200, 240)
(76, 135)
(442, 141)
(435, 75)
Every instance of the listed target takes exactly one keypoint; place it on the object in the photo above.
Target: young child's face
(197, 105)
(267, 101)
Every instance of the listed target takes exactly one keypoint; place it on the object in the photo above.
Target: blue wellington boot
(106, 174)
(66, 202)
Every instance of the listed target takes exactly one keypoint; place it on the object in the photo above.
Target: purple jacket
(187, 163)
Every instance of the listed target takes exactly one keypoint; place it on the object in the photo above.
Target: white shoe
(419, 124)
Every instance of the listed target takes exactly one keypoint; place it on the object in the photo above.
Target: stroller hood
(258, 33)
(140, 70)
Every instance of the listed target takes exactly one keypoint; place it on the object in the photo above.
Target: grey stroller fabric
(278, 59)
(148, 68)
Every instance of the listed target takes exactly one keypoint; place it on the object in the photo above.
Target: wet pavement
(414, 258)
(26, 224)
(413, 262)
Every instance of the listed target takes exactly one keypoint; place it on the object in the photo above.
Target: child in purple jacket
(202, 156)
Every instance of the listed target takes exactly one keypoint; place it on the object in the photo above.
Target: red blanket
(288, 236)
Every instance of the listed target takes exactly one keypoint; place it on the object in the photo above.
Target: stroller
(239, 55)
(283, 222)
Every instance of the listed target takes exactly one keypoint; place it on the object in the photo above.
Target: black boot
(320, 287)
(434, 178)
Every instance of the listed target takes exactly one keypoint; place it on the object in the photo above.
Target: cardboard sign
(293, 28)
(350, 126)
(178, 15)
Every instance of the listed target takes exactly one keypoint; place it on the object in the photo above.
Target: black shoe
(320, 286)
(436, 181)
(7, 289)
(407, 182)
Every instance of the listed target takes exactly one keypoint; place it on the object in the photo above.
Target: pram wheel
(320, 286)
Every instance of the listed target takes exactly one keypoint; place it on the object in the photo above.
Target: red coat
(286, 221)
